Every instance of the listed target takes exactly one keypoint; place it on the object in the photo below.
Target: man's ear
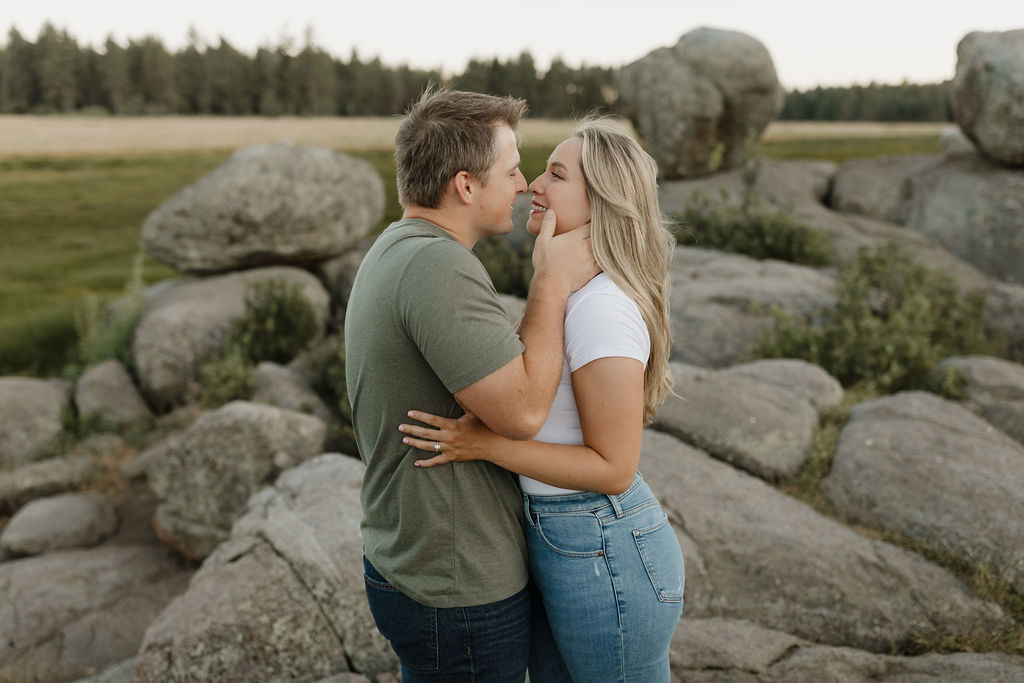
(463, 186)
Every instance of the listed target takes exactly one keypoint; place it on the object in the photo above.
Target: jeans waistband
(637, 493)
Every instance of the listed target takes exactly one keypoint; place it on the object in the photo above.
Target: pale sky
(811, 43)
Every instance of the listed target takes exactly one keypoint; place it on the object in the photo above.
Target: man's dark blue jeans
(484, 643)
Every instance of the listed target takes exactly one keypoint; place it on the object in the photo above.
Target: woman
(606, 561)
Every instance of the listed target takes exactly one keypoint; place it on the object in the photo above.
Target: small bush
(329, 381)
(103, 335)
(278, 322)
(509, 264)
(893, 322)
(753, 230)
(227, 377)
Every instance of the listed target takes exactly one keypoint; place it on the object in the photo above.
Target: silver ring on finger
(437, 446)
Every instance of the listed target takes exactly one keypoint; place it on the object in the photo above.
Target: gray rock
(106, 391)
(345, 678)
(931, 471)
(702, 105)
(761, 427)
(279, 386)
(798, 376)
(877, 187)
(203, 482)
(974, 209)
(1004, 315)
(68, 520)
(122, 672)
(283, 598)
(773, 560)
(721, 304)
(724, 650)
(338, 274)
(30, 417)
(184, 324)
(993, 387)
(267, 205)
(46, 478)
(987, 93)
(137, 467)
(952, 142)
(67, 614)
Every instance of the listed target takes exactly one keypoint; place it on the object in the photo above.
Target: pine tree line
(55, 74)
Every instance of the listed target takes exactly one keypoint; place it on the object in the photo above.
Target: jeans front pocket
(410, 627)
(570, 534)
(663, 560)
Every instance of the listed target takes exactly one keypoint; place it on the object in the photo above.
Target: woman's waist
(638, 495)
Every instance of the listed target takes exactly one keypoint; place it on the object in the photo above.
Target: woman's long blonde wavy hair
(630, 239)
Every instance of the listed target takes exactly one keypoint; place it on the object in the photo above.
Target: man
(445, 555)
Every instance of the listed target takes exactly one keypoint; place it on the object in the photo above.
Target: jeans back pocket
(663, 560)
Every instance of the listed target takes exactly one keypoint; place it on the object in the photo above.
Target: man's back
(423, 322)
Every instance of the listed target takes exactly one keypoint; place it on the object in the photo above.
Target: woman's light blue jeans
(610, 576)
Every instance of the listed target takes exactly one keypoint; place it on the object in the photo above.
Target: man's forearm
(542, 332)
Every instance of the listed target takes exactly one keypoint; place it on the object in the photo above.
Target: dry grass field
(75, 136)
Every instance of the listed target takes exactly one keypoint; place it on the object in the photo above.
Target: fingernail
(401, 428)
(409, 413)
(405, 440)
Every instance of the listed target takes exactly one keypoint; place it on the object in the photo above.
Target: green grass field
(70, 229)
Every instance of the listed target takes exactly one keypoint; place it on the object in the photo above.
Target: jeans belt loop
(614, 500)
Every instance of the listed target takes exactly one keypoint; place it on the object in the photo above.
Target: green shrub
(278, 322)
(893, 322)
(104, 335)
(510, 265)
(227, 377)
(753, 230)
(329, 381)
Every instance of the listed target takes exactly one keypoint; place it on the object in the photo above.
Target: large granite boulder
(283, 599)
(718, 650)
(68, 613)
(759, 426)
(721, 304)
(770, 559)
(106, 391)
(30, 417)
(205, 476)
(877, 187)
(992, 387)
(702, 105)
(973, 208)
(46, 478)
(987, 93)
(931, 471)
(267, 205)
(798, 376)
(69, 520)
(184, 322)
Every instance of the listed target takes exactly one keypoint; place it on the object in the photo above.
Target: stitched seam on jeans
(539, 530)
(646, 505)
(637, 535)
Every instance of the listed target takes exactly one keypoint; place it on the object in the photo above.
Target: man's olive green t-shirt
(424, 321)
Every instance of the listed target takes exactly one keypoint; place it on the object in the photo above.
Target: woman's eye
(555, 175)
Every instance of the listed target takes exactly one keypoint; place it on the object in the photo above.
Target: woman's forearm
(564, 466)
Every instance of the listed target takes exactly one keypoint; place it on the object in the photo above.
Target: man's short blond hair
(445, 132)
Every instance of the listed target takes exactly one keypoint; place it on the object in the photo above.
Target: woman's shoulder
(603, 288)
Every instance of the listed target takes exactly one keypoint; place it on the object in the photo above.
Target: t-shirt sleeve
(448, 306)
(605, 325)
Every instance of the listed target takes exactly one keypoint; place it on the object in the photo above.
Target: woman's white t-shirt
(600, 322)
